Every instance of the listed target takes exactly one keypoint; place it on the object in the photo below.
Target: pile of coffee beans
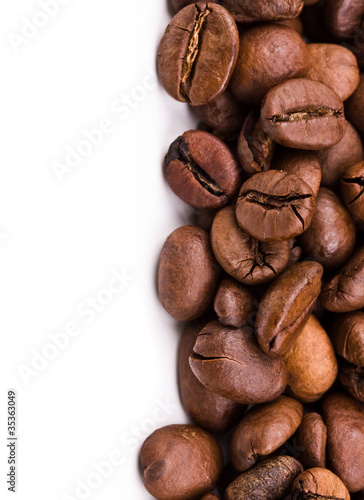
(270, 276)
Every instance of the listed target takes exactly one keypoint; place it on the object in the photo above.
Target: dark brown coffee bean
(344, 418)
(311, 441)
(263, 430)
(303, 114)
(202, 39)
(311, 363)
(255, 148)
(246, 259)
(335, 66)
(286, 307)
(235, 304)
(250, 11)
(354, 107)
(201, 170)
(352, 189)
(262, 64)
(330, 239)
(269, 480)
(352, 378)
(188, 273)
(275, 206)
(344, 293)
(336, 160)
(166, 449)
(319, 483)
(347, 335)
(344, 17)
(229, 361)
(209, 410)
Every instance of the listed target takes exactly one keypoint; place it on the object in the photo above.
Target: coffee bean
(243, 257)
(352, 189)
(319, 483)
(330, 239)
(166, 449)
(295, 253)
(262, 65)
(303, 114)
(188, 273)
(202, 39)
(209, 410)
(229, 361)
(311, 441)
(255, 148)
(235, 304)
(269, 480)
(293, 23)
(286, 307)
(354, 107)
(344, 17)
(263, 430)
(344, 292)
(179, 4)
(347, 335)
(275, 206)
(311, 363)
(201, 170)
(344, 418)
(250, 11)
(352, 378)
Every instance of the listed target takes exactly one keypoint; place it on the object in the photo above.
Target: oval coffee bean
(352, 189)
(286, 307)
(311, 363)
(330, 239)
(166, 449)
(352, 378)
(319, 483)
(303, 114)
(344, 293)
(250, 11)
(201, 39)
(344, 418)
(354, 107)
(229, 361)
(269, 480)
(188, 273)
(235, 304)
(311, 441)
(347, 335)
(275, 206)
(209, 410)
(344, 17)
(263, 430)
(201, 170)
(262, 65)
(246, 259)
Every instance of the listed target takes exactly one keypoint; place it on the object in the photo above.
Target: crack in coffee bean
(360, 182)
(271, 201)
(306, 114)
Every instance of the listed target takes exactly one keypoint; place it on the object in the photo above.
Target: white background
(61, 239)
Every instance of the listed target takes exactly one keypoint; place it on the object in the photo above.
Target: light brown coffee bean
(319, 483)
(311, 441)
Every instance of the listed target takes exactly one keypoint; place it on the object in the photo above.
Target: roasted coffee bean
(335, 66)
(166, 449)
(354, 107)
(255, 148)
(303, 114)
(352, 189)
(330, 239)
(304, 164)
(286, 307)
(344, 17)
(352, 378)
(188, 274)
(319, 483)
(347, 334)
(263, 430)
(344, 293)
(201, 170)
(209, 410)
(229, 361)
(311, 363)
(311, 441)
(235, 304)
(344, 418)
(246, 259)
(295, 253)
(262, 64)
(336, 160)
(225, 115)
(269, 480)
(202, 39)
(275, 206)
(250, 11)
